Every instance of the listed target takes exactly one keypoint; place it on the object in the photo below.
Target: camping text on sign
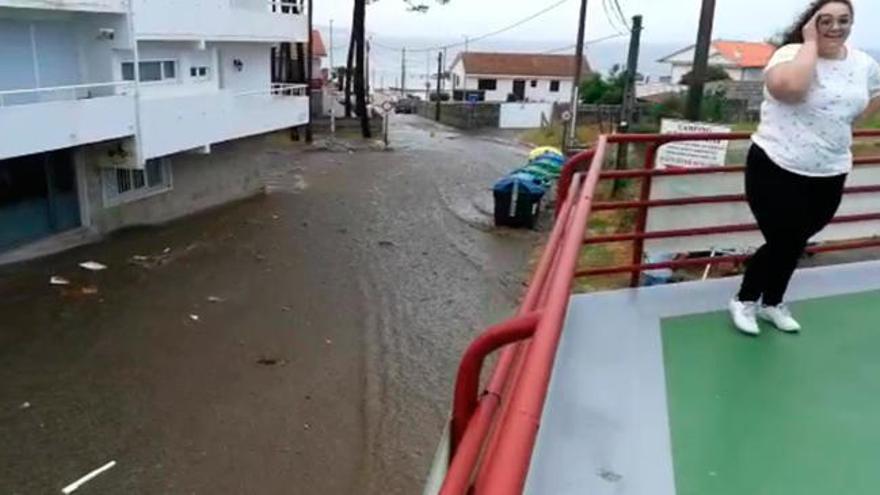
(691, 154)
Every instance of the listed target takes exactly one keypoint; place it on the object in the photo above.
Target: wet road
(304, 341)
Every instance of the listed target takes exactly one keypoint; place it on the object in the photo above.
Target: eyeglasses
(828, 22)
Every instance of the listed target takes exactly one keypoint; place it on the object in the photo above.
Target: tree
(356, 68)
(606, 90)
(360, 86)
(713, 73)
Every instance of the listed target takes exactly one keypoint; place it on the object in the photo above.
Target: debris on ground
(328, 342)
(386, 244)
(264, 361)
(25, 405)
(194, 317)
(88, 290)
(67, 490)
(286, 309)
(56, 280)
(92, 266)
(215, 299)
(306, 426)
(166, 250)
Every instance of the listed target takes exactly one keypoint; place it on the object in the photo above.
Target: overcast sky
(665, 20)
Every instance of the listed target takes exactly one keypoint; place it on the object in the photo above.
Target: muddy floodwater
(303, 341)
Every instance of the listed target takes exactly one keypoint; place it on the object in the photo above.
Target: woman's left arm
(871, 111)
(873, 92)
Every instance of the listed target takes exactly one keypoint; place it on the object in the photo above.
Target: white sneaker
(780, 317)
(743, 315)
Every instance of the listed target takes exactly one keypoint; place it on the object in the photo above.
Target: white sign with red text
(692, 154)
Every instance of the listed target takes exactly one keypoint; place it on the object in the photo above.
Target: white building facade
(743, 61)
(502, 77)
(102, 101)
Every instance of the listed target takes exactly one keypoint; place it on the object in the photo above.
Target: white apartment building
(112, 112)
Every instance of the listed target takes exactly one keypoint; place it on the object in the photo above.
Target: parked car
(405, 105)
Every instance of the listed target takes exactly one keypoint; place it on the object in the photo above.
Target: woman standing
(816, 88)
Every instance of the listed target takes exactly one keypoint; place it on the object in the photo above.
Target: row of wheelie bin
(519, 195)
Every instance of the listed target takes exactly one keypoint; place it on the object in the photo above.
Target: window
(534, 83)
(199, 73)
(160, 70)
(554, 86)
(487, 84)
(122, 185)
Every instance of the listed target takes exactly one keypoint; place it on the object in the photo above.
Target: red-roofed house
(526, 76)
(743, 60)
(319, 53)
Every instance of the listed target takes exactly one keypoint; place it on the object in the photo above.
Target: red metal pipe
(671, 172)
(468, 381)
(717, 260)
(723, 229)
(661, 139)
(697, 200)
(572, 165)
(465, 457)
(642, 218)
(507, 461)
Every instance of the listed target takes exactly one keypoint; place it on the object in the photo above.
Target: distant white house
(743, 60)
(516, 76)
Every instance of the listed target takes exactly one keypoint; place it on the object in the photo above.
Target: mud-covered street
(304, 341)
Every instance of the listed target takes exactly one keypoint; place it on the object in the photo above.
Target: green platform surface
(778, 414)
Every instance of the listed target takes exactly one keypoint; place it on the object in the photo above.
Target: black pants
(790, 209)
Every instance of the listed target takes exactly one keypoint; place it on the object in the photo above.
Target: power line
(622, 16)
(484, 36)
(589, 42)
(612, 21)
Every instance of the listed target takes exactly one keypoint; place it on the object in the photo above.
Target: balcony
(175, 124)
(44, 119)
(268, 21)
(107, 6)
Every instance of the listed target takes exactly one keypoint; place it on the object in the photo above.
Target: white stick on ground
(85, 479)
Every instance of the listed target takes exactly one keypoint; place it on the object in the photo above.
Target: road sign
(566, 116)
(387, 106)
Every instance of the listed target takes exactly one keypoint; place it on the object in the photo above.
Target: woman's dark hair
(795, 33)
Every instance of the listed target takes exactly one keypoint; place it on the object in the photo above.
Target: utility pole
(439, 71)
(627, 113)
(403, 73)
(701, 61)
(367, 67)
(309, 61)
(427, 78)
(578, 68)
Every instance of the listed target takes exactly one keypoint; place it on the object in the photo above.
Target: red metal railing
(493, 434)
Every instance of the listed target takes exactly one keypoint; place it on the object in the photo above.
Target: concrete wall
(540, 93)
(73, 122)
(524, 115)
(232, 171)
(117, 6)
(256, 72)
(463, 115)
(217, 20)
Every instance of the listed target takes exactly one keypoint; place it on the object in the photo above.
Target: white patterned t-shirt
(814, 137)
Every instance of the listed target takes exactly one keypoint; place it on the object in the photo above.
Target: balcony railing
(44, 119)
(279, 89)
(64, 93)
(293, 7)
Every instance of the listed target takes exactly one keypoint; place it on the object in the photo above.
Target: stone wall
(233, 170)
(463, 115)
